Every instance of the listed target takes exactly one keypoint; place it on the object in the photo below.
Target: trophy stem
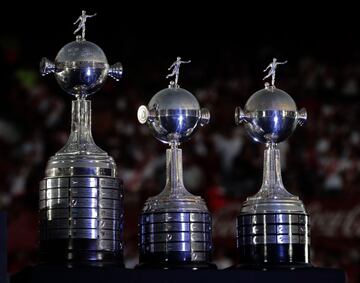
(272, 168)
(174, 170)
(80, 140)
(272, 185)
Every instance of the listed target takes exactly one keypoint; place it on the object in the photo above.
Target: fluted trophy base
(273, 234)
(175, 240)
(77, 252)
(81, 220)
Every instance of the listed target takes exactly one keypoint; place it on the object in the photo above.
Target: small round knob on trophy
(173, 115)
(270, 116)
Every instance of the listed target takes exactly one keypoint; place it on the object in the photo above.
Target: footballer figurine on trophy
(175, 226)
(273, 227)
(81, 197)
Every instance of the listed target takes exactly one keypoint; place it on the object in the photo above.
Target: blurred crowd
(221, 162)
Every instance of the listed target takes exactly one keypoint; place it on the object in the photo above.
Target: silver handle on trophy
(145, 115)
(116, 71)
(240, 115)
(46, 66)
(302, 116)
(204, 116)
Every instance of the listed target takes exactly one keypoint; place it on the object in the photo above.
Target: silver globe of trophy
(273, 227)
(175, 226)
(81, 197)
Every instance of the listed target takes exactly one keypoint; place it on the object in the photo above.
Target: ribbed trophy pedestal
(81, 220)
(175, 226)
(273, 240)
(273, 229)
(175, 239)
(81, 210)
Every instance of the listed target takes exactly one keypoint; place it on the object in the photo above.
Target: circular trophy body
(176, 115)
(81, 68)
(271, 115)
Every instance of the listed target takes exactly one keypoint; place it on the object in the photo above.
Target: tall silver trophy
(175, 226)
(273, 227)
(81, 197)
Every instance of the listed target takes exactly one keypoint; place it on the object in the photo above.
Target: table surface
(55, 274)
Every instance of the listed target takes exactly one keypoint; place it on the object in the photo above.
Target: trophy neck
(80, 140)
(174, 197)
(174, 173)
(272, 186)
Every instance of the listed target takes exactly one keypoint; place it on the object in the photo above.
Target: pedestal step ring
(172, 238)
(83, 215)
(273, 238)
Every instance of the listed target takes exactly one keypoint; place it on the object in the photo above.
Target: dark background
(229, 46)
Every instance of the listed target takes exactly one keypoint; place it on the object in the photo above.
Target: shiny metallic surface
(176, 232)
(270, 115)
(116, 71)
(81, 78)
(82, 208)
(273, 226)
(81, 68)
(173, 113)
(274, 126)
(175, 225)
(81, 197)
(273, 229)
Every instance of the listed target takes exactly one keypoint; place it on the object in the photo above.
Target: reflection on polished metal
(273, 228)
(81, 197)
(175, 226)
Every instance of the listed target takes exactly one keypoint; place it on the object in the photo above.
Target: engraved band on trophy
(273, 228)
(81, 197)
(175, 226)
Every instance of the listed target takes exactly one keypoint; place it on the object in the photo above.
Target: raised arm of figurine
(90, 16)
(172, 65)
(267, 68)
(281, 63)
(79, 19)
(189, 61)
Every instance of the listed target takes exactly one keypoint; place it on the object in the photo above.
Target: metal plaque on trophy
(81, 197)
(273, 228)
(175, 226)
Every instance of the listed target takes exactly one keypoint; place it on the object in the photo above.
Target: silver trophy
(273, 227)
(81, 197)
(175, 226)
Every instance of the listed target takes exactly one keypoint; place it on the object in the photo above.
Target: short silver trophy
(81, 197)
(175, 226)
(273, 227)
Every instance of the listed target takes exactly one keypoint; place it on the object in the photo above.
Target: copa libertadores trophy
(175, 226)
(273, 226)
(81, 196)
